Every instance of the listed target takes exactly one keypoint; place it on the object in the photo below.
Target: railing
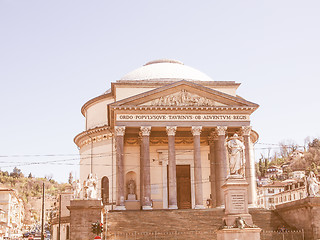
(174, 235)
(283, 235)
(212, 235)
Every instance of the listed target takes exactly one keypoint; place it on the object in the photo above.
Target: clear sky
(56, 55)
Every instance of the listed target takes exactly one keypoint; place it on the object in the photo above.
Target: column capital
(119, 130)
(221, 130)
(246, 130)
(171, 130)
(196, 130)
(145, 131)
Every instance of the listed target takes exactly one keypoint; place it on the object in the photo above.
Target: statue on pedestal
(312, 185)
(76, 185)
(131, 189)
(236, 155)
(91, 186)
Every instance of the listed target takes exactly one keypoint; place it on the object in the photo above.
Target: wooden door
(183, 187)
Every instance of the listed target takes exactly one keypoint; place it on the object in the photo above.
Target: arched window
(105, 190)
(68, 232)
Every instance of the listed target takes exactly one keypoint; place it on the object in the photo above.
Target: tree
(16, 173)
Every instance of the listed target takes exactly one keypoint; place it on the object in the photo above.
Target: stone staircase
(178, 224)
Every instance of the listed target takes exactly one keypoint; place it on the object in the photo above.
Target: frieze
(125, 117)
(164, 141)
(95, 139)
(182, 98)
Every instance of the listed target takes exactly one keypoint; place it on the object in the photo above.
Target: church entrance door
(183, 187)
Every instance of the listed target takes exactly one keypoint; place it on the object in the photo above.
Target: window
(270, 190)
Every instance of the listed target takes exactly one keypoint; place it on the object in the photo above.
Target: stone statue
(312, 185)
(91, 186)
(240, 223)
(236, 155)
(131, 190)
(76, 185)
(131, 186)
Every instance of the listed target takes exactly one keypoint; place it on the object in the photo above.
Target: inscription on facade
(238, 201)
(183, 117)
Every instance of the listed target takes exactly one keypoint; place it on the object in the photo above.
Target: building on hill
(295, 189)
(12, 209)
(265, 194)
(277, 192)
(156, 138)
(3, 225)
(274, 171)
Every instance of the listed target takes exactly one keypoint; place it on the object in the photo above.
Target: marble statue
(76, 185)
(312, 184)
(236, 155)
(91, 186)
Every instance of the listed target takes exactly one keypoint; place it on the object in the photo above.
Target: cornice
(100, 134)
(94, 100)
(216, 108)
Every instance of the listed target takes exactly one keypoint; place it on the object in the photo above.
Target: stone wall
(82, 214)
(302, 214)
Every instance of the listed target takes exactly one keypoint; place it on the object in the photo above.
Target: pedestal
(239, 234)
(236, 200)
(132, 197)
(237, 220)
(82, 214)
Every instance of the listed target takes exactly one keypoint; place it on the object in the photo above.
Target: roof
(165, 69)
(276, 184)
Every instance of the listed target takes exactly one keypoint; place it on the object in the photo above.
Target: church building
(157, 139)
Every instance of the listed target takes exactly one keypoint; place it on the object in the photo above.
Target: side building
(12, 212)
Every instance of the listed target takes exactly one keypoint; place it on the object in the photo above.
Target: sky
(57, 55)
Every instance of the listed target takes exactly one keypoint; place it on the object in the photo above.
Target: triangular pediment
(183, 94)
(183, 98)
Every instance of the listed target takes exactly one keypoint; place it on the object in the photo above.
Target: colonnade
(218, 166)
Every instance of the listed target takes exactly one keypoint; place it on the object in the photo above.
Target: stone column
(221, 164)
(171, 131)
(196, 131)
(119, 133)
(141, 170)
(249, 167)
(213, 142)
(145, 157)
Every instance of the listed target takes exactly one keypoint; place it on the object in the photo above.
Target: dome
(166, 69)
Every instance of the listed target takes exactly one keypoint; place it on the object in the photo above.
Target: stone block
(82, 214)
(239, 234)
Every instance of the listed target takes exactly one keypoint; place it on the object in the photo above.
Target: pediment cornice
(183, 94)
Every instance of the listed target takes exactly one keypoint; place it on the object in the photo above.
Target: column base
(173, 207)
(199, 207)
(146, 208)
(120, 208)
(221, 206)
